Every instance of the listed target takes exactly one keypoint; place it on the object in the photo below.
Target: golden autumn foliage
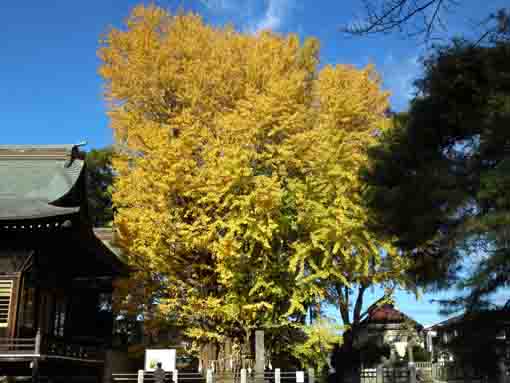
(239, 197)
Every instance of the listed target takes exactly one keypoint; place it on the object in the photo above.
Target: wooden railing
(145, 376)
(17, 346)
(69, 349)
(423, 365)
(51, 347)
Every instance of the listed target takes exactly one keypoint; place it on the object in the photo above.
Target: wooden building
(385, 324)
(55, 274)
(488, 330)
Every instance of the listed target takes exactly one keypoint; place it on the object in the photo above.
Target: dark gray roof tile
(33, 177)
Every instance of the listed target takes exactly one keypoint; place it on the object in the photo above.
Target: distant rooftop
(385, 314)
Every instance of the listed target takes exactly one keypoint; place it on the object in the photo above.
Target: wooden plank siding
(9, 289)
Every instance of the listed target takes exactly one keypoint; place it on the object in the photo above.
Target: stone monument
(259, 353)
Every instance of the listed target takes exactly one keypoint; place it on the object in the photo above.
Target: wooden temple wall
(9, 298)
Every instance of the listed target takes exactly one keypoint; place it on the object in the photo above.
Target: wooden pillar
(37, 308)
(107, 367)
(20, 313)
(15, 302)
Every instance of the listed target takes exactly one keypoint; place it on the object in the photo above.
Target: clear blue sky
(50, 91)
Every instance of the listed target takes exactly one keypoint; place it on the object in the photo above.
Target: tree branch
(359, 303)
(430, 24)
(383, 16)
(343, 304)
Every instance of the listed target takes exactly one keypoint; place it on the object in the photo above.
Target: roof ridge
(57, 152)
(35, 146)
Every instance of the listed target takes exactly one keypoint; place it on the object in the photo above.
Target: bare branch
(432, 21)
(420, 18)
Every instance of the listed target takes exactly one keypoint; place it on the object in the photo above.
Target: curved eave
(107, 254)
(39, 180)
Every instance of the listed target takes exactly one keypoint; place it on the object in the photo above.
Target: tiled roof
(107, 236)
(447, 322)
(34, 178)
(386, 314)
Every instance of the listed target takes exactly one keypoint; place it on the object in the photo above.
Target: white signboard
(164, 356)
(401, 348)
(300, 377)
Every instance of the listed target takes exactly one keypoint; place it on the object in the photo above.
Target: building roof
(387, 314)
(16, 209)
(494, 316)
(36, 180)
(107, 236)
(446, 323)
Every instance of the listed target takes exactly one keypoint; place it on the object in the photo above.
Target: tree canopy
(442, 176)
(239, 198)
(99, 182)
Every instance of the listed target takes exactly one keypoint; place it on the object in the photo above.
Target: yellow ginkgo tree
(239, 197)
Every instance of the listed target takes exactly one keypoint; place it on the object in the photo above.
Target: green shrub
(419, 354)
(371, 353)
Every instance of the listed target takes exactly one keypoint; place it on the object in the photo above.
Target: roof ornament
(67, 224)
(75, 153)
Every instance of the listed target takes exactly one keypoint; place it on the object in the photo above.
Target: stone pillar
(311, 375)
(259, 352)
(393, 355)
(502, 378)
(209, 376)
(140, 376)
(410, 352)
(380, 374)
(243, 375)
(412, 373)
(175, 376)
(430, 345)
